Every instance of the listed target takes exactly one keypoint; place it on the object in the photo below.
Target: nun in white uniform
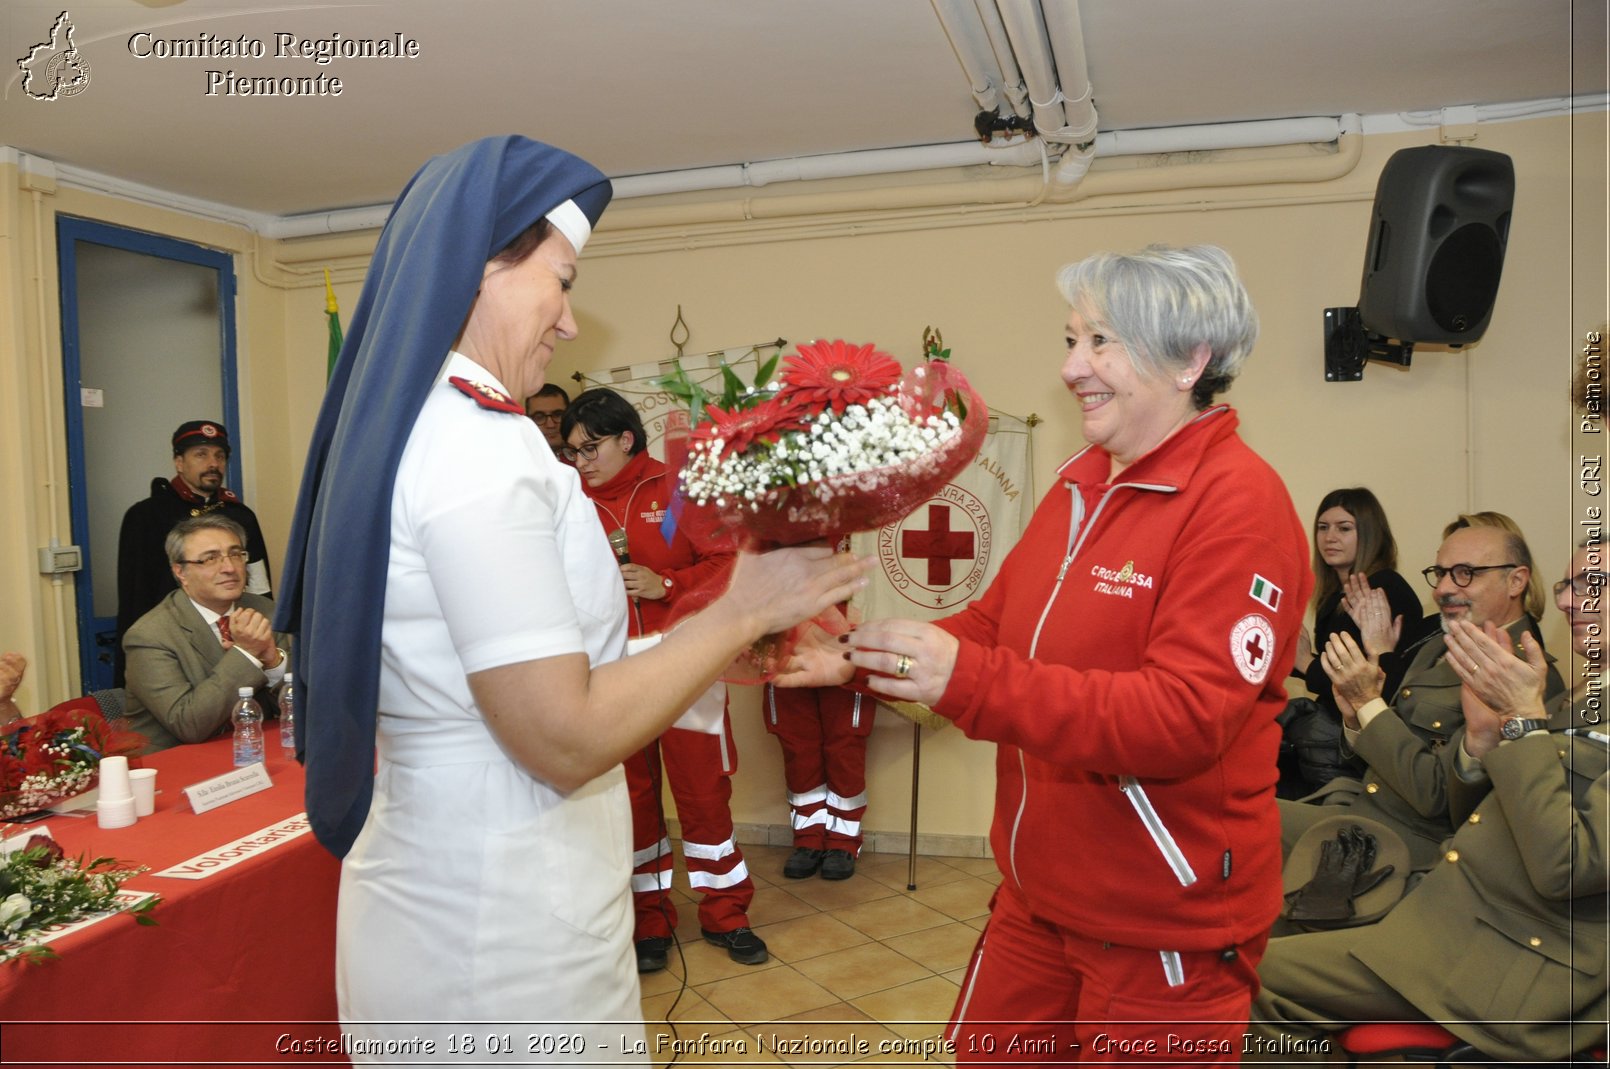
(459, 606)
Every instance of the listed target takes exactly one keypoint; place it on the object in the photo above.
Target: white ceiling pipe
(730, 176)
(959, 18)
(837, 165)
(889, 161)
(1033, 51)
(320, 223)
(1516, 110)
(1066, 33)
(1212, 136)
(1000, 43)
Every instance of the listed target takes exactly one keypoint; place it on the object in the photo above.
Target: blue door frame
(97, 635)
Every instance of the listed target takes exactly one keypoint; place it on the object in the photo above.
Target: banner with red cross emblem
(944, 554)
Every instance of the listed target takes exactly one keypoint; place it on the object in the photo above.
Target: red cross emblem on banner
(938, 545)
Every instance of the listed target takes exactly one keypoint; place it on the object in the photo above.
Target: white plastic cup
(115, 780)
(111, 813)
(144, 783)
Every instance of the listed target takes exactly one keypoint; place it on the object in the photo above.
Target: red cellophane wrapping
(823, 510)
(49, 758)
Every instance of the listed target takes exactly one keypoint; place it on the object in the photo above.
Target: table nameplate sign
(221, 790)
(246, 847)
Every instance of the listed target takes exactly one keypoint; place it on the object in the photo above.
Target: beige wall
(1485, 428)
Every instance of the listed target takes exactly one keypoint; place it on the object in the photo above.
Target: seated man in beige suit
(188, 657)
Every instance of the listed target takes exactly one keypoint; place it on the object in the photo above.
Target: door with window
(148, 342)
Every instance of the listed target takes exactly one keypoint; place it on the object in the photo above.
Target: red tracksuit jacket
(1130, 659)
(636, 499)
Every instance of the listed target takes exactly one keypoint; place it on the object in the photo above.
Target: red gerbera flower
(737, 430)
(836, 374)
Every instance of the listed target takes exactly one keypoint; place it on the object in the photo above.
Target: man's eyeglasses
(546, 417)
(586, 451)
(1462, 573)
(215, 558)
(1582, 584)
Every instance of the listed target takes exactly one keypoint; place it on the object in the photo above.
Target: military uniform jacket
(1504, 941)
(144, 576)
(181, 682)
(1405, 783)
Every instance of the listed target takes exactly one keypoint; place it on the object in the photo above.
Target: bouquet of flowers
(844, 440)
(41, 888)
(55, 755)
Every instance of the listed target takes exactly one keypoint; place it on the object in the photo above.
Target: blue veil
(455, 214)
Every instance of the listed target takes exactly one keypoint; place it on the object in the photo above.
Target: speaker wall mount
(1438, 230)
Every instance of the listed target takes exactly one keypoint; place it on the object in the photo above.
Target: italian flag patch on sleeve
(1265, 593)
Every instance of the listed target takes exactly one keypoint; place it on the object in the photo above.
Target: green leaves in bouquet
(735, 395)
(40, 887)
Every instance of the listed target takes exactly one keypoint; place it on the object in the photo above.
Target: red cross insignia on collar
(486, 396)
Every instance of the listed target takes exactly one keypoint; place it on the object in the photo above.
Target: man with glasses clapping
(1482, 574)
(188, 657)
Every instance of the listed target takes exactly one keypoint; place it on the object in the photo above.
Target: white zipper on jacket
(1154, 824)
(1078, 531)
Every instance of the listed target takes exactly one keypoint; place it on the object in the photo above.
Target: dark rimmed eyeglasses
(1462, 574)
(1582, 584)
(586, 451)
(215, 558)
(547, 417)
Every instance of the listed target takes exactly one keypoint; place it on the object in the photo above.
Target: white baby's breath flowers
(863, 438)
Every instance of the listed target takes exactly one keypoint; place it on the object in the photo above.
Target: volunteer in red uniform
(1129, 660)
(631, 492)
(823, 734)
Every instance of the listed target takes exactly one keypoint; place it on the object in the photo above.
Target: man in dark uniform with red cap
(200, 464)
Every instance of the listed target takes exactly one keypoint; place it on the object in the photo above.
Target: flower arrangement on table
(843, 440)
(41, 888)
(47, 758)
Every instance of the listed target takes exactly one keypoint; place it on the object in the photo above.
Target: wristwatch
(666, 579)
(1516, 726)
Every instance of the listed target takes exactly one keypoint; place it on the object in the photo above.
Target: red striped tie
(223, 629)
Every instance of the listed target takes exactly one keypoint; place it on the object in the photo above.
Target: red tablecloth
(241, 964)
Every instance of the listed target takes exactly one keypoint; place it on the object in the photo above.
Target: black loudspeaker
(1437, 238)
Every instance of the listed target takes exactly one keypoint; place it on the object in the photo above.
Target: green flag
(333, 312)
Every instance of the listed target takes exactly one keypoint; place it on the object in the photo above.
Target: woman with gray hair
(1129, 660)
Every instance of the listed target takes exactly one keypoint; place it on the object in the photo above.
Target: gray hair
(185, 528)
(1161, 303)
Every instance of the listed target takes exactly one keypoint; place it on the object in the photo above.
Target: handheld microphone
(617, 542)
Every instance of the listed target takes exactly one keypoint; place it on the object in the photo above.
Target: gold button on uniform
(1437, 724)
(1535, 941)
(1452, 855)
(1371, 788)
(1407, 691)
(1475, 818)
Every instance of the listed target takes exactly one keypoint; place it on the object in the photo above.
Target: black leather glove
(1342, 874)
(1364, 848)
(1328, 897)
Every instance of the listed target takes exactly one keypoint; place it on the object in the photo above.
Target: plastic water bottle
(287, 716)
(248, 718)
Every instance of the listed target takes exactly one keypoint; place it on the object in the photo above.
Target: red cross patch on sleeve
(486, 396)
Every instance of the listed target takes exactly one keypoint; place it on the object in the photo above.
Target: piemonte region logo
(937, 556)
(54, 69)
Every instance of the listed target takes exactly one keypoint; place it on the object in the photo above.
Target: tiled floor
(862, 968)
